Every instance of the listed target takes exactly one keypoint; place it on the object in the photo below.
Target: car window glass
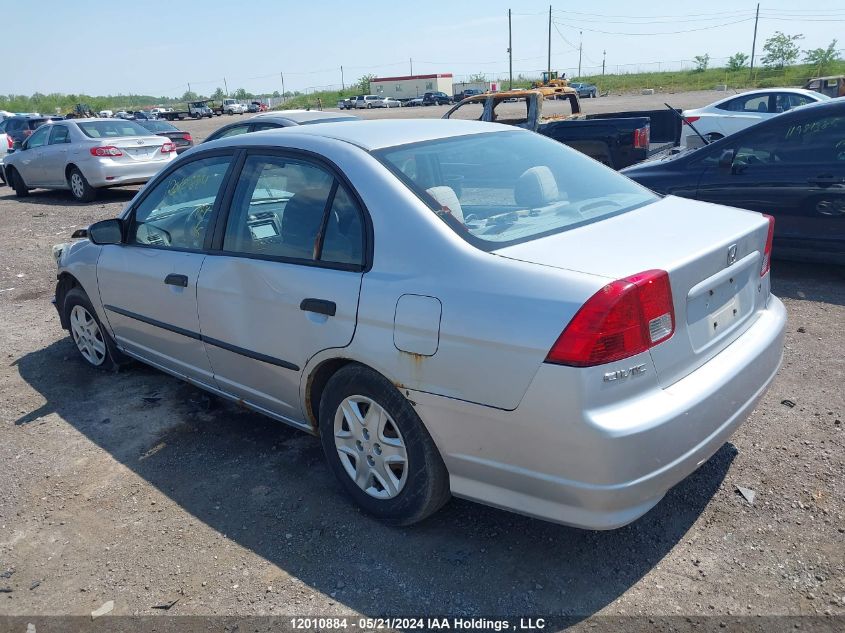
(819, 140)
(279, 210)
(758, 104)
(38, 138)
(234, 131)
(344, 236)
(3, 124)
(257, 127)
(59, 134)
(178, 210)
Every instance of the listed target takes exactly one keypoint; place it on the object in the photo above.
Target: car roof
(303, 116)
(764, 91)
(374, 134)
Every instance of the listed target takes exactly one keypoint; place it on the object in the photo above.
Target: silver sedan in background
(84, 155)
(454, 307)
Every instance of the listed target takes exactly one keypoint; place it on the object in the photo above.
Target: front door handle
(176, 280)
(320, 306)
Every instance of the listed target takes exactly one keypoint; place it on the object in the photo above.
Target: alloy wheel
(87, 336)
(76, 184)
(371, 447)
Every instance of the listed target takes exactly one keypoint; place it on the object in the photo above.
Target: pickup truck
(231, 106)
(556, 112)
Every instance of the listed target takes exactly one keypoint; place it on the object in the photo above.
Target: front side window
(177, 211)
(758, 104)
(502, 188)
(38, 138)
(293, 209)
(235, 130)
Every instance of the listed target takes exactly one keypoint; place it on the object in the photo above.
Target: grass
(670, 81)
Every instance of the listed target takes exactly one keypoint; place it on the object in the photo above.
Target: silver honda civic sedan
(453, 307)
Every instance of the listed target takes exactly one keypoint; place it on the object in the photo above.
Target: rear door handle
(320, 306)
(176, 280)
(826, 180)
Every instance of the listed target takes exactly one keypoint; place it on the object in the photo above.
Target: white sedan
(738, 112)
(84, 155)
(388, 102)
(520, 325)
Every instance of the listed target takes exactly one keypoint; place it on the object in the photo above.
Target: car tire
(369, 106)
(92, 340)
(79, 187)
(17, 183)
(402, 477)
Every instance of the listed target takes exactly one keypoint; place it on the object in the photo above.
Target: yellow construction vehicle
(551, 80)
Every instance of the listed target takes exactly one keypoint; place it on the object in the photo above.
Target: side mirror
(18, 145)
(106, 232)
(726, 159)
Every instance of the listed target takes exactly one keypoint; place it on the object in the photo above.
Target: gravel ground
(137, 488)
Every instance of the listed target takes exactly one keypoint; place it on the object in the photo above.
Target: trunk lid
(138, 149)
(713, 256)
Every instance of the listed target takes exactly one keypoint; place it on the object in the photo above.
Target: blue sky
(157, 47)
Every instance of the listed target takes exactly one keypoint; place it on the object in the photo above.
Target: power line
(703, 28)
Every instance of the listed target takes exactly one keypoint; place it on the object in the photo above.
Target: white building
(411, 86)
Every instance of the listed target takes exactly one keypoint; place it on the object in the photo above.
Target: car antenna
(692, 127)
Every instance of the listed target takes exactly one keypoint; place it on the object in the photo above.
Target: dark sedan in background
(791, 166)
(183, 140)
(273, 120)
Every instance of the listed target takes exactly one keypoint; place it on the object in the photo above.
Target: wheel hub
(370, 447)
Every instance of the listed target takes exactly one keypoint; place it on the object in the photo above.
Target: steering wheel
(196, 223)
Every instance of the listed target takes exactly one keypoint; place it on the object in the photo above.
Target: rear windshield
(503, 188)
(159, 126)
(109, 129)
(34, 124)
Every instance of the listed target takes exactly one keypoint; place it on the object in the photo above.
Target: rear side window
(59, 134)
(293, 209)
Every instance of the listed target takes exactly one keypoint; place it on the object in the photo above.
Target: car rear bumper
(105, 172)
(555, 458)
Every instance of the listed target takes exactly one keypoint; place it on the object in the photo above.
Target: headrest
(446, 197)
(536, 187)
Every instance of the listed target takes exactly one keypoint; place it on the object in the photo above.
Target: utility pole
(189, 87)
(580, 48)
(603, 58)
(510, 53)
(550, 44)
(412, 65)
(342, 84)
(226, 86)
(282, 75)
(754, 41)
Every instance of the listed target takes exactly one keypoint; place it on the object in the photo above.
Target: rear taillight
(622, 319)
(690, 119)
(168, 147)
(10, 142)
(106, 150)
(187, 137)
(641, 137)
(767, 253)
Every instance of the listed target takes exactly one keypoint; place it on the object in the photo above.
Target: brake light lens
(106, 150)
(168, 147)
(626, 317)
(641, 137)
(10, 142)
(767, 253)
(690, 119)
(187, 137)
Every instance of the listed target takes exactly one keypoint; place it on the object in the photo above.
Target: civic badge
(141, 142)
(731, 254)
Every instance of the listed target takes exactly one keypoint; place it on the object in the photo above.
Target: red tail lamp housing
(626, 317)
